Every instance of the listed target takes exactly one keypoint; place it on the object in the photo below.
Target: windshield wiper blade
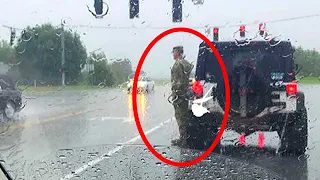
(4, 171)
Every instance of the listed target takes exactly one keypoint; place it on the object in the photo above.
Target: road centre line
(103, 118)
(34, 121)
(58, 117)
(30, 122)
(102, 157)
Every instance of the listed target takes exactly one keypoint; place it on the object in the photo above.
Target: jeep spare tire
(255, 87)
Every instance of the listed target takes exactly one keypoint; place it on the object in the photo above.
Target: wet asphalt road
(66, 120)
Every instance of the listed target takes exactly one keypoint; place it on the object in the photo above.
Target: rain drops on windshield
(92, 90)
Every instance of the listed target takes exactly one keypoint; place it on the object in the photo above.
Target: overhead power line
(271, 21)
(193, 27)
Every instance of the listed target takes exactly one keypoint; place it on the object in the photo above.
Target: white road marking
(107, 118)
(100, 158)
(92, 119)
(128, 120)
(112, 118)
(123, 119)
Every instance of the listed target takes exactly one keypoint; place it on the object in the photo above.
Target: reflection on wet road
(100, 119)
(141, 105)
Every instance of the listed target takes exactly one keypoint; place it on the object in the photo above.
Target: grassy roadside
(159, 82)
(59, 88)
(309, 80)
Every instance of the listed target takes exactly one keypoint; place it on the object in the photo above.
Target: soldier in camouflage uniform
(180, 73)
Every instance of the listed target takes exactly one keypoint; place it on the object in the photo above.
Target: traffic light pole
(63, 75)
(12, 33)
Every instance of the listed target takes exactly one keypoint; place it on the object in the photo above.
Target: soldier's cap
(178, 48)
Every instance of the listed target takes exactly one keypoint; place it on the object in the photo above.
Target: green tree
(39, 50)
(7, 53)
(309, 60)
(121, 68)
(102, 72)
(8, 61)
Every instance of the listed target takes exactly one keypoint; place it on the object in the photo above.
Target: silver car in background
(145, 85)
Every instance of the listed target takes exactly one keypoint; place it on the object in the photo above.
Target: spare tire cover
(258, 91)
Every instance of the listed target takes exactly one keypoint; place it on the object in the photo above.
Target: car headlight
(141, 84)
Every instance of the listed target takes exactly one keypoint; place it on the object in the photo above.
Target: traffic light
(134, 9)
(12, 36)
(176, 11)
(98, 6)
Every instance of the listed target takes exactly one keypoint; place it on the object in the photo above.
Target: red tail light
(261, 28)
(197, 88)
(292, 88)
(242, 30)
(261, 140)
(242, 140)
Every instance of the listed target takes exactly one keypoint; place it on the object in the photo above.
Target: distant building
(89, 66)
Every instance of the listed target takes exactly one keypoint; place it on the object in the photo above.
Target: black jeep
(263, 93)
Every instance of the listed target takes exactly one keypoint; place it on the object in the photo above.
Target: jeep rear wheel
(201, 131)
(295, 138)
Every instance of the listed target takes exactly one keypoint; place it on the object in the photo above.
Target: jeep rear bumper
(268, 121)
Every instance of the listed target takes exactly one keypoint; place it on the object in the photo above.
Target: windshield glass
(245, 73)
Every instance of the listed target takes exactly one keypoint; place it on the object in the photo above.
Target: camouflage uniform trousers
(182, 115)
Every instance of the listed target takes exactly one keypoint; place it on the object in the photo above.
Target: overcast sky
(130, 43)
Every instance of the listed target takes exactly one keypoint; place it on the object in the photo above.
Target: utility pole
(63, 75)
